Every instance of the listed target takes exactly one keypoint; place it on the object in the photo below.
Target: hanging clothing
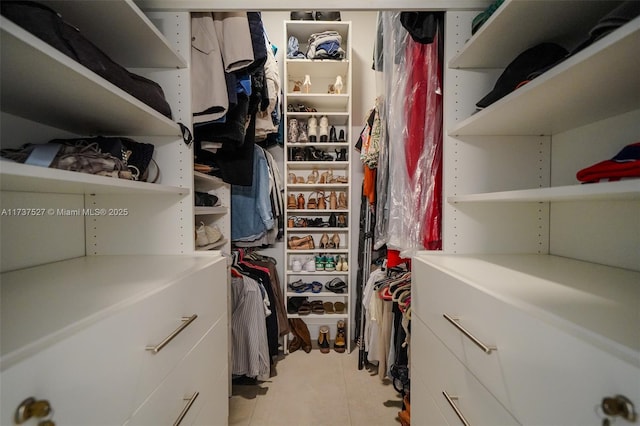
(248, 329)
(251, 213)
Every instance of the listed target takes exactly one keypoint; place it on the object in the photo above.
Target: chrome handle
(451, 400)
(487, 349)
(186, 408)
(185, 323)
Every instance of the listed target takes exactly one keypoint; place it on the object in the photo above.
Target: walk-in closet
(234, 213)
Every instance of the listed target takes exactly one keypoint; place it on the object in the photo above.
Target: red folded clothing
(625, 164)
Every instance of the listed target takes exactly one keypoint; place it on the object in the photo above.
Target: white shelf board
(96, 290)
(320, 101)
(41, 84)
(28, 178)
(622, 190)
(597, 303)
(320, 165)
(112, 25)
(335, 118)
(199, 210)
(489, 48)
(319, 68)
(601, 81)
(205, 178)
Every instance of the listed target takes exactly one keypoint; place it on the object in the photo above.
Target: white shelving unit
(219, 216)
(538, 253)
(69, 277)
(337, 108)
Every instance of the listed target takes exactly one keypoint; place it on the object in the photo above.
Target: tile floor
(317, 389)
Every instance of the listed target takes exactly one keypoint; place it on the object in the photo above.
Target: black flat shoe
(336, 285)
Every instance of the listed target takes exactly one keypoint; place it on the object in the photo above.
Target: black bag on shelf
(46, 24)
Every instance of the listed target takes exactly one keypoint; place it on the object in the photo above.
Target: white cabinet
(535, 264)
(79, 336)
(108, 266)
(318, 169)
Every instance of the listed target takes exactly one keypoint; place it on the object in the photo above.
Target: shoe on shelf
(323, 340)
(342, 154)
(340, 342)
(339, 307)
(336, 285)
(309, 265)
(333, 200)
(320, 261)
(333, 220)
(324, 241)
(313, 176)
(342, 201)
(301, 201)
(332, 134)
(335, 241)
(292, 134)
(296, 265)
(328, 308)
(342, 220)
(341, 137)
(324, 129)
(291, 201)
(322, 201)
(312, 129)
(339, 264)
(302, 132)
(338, 85)
(330, 266)
(345, 264)
(306, 84)
(208, 237)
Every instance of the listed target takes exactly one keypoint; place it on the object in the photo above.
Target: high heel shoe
(306, 85)
(300, 202)
(333, 220)
(341, 137)
(312, 129)
(313, 177)
(324, 129)
(342, 201)
(337, 86)
(312, 203)
(341, 155)
(292, 178)
(322, 201)
(332, 135)
(333, 202)
(335, 241)
(339, 264)
(324, 241)
(326, 177)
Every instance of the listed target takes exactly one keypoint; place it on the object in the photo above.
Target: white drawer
(441, 371)
(198, 373)
(437, 294)
(106, 365)
(424, 411)
(163, 314)
(540, 373)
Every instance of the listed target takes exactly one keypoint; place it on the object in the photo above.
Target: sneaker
(330, 266)
(208, 237)
(310, 265)
(296, 266)
(320, 261)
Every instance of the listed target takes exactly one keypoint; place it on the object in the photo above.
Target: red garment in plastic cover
(423, 146)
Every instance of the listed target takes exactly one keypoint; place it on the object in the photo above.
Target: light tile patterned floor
(317, 389)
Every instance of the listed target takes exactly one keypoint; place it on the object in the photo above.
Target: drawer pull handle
(474, 339)
(451, 400)
(185, 323)
(186, 408)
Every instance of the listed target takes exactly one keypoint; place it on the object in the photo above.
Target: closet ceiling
(195, 5)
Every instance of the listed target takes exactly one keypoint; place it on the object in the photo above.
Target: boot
(312, 129)
(342, 201)
(299, 329)
(340, 344)
(292, 134)
(300, 201)
(323, 340)
(341, 155)
(302, 132)
(333, 221)
(341, 137)
(333, 202)
(332, 135)
(324, 129)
